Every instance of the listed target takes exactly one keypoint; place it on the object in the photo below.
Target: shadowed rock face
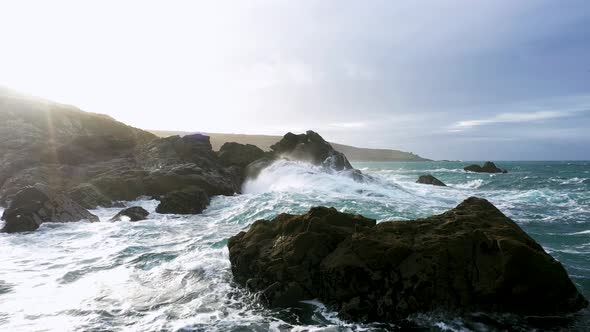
(187, 201)
(469, 258)
(310, 147)
(134, 213)
(236, 154)
(35, 205)
(429, 179)
(488, 167)
(98, 161)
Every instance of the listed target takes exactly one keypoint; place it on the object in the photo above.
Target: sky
(463, 79)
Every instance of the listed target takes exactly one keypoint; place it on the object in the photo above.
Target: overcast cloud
(444, 79)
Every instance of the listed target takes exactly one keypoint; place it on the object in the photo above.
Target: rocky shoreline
(59, 162)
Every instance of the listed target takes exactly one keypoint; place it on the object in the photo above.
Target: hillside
(265, 141)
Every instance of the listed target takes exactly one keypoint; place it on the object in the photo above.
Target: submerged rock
(134, 213)
(430, 179)
(188, 201)
(488, 167)
(35, 205)
(470, 258)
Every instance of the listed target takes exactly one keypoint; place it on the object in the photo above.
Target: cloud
(509, 118)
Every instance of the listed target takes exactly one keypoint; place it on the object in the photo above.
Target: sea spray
(172, 272)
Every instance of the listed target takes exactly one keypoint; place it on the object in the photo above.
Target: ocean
(172, 273)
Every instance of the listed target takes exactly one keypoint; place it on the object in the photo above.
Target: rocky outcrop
(98, 161)
(36, 205)
(309, 147)
(236, 154)
(134, 213)
(470, 258)
(188, 201)
(488, 167)
(312, 148)
(430, 179)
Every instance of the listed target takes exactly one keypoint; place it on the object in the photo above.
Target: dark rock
(235, 154)
(98, 161)
(470, 258)
(89, 197)
(135, 213)
(488, 167)
(430, 179)
(312, 148)
(35, 205)
(188, 201)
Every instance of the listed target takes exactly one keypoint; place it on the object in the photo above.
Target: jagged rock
(89, 197)
(134, 213)
(235, 154)
(188, 201)
(470, 258)
(488, 167)
(35, 205)
(98, 161)
(312, 148)
(430, 179)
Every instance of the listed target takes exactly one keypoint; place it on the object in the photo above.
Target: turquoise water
(172, 273)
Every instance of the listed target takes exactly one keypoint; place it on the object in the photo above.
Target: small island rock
(430, 179)
(488, 167)
(134, 213)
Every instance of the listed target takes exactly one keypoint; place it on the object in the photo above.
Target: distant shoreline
(265, 141)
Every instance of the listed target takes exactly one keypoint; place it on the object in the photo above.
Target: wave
(473, 184)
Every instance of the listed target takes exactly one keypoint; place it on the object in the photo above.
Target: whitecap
(472, 184)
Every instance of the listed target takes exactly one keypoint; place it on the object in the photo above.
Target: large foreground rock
(430, 179)
(35, 205)
(472, 257)
(488, 167)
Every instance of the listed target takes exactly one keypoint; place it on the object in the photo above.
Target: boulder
(430, 179)
(488, 167)
(312, 148)
(470, 258)
(134, 213)
(37, 204)
(187, 201)
(236, 154)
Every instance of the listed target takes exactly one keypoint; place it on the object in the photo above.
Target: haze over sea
(172, 273)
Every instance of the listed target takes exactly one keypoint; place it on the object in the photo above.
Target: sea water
(172, 273)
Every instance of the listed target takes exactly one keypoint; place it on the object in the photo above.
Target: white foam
(471, 184)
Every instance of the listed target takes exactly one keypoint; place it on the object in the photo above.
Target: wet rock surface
(36, 205)
(188, 201)
(312, 148)
(134, 213)
(430, 179)
(470, 258)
